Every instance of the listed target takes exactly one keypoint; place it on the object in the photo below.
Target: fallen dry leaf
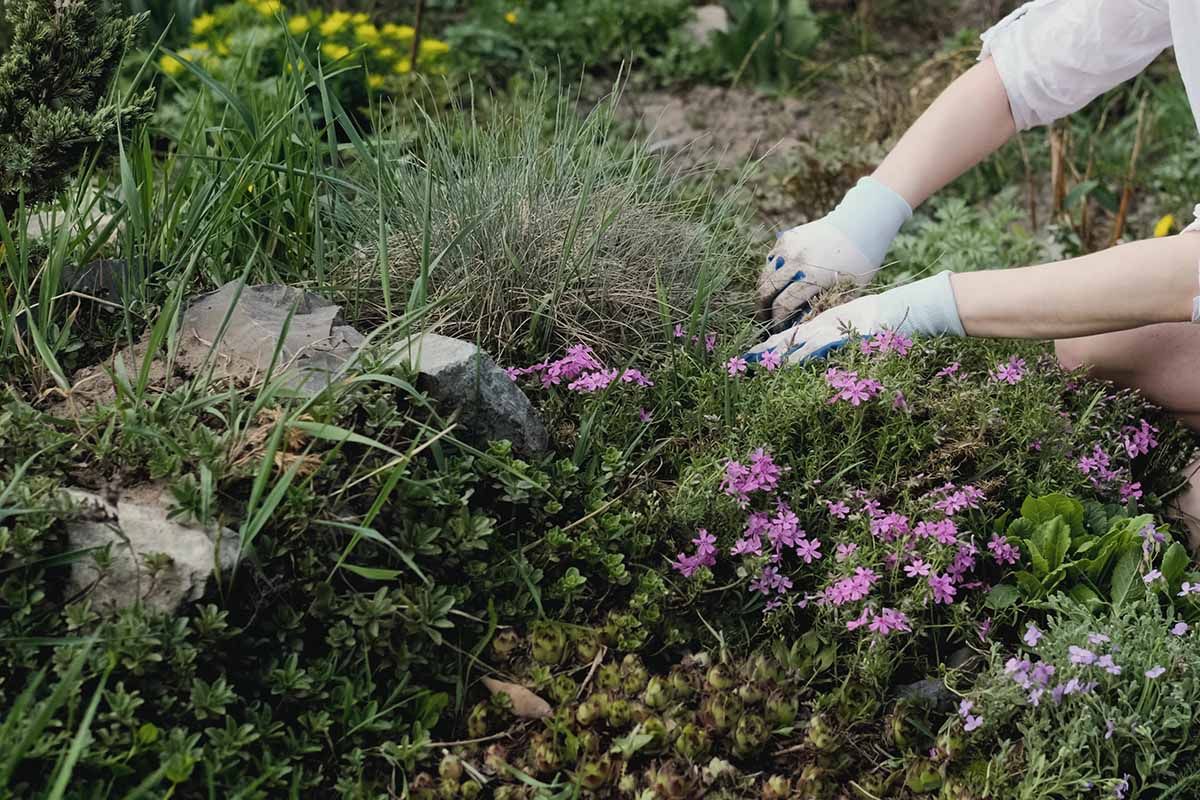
(525, 704)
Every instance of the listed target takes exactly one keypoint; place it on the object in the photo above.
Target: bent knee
(1075, 353)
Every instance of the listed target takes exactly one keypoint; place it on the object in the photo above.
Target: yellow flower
(334, 51)
(170, 66)
(268, 8)
(367, 33)
(223, 47)
(511, 18)
(200, 46)
(433, 47)
(334, 23)
(203, 24)
(375, 81)
(1164, 226)
(398, 32)
(299, 25)
(402, 67)
(360, 19)
(386, 53)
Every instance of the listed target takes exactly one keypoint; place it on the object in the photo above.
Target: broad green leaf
(1030, 585)
(1041, 567)
(1052, 538)
(1174, 562)
(1085, 595)
(1125, 575)
(1002, 596)
(373, 573)
(1044, 509)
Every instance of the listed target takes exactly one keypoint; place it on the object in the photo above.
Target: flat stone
(139, 526)
(465, 380)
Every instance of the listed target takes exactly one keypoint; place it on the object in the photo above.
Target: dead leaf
(525, 704)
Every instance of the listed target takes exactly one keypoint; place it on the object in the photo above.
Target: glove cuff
(870, 215)
(925, 307)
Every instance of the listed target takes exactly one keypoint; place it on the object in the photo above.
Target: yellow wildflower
(299, 25)
(268, 8)
(511, 18)
(398, 32)
(199, 46)
(367, 33)
(433, 47)
(375, 81)
(334, 23)
(170, 66)
(1164, 226)
(360, 19)
(334, 51)
(223, 48)
(203, 24)
(402, 67)
(386, 53)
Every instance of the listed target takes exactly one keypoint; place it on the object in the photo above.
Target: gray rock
(462, 378)
(136, 528)
(317, 341)
(930, 692)
(707, 20)
(104, 278)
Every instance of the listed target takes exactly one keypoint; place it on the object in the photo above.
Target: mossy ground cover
(916, 569)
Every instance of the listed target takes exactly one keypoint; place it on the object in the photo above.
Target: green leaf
(1174, 562)
(1052, 538)
(1041, 567)
(1030, 585)
(1085, 595)
(629, 744)
(373, 573)
(1043, 509)
(1002, 596)
(1125, 575)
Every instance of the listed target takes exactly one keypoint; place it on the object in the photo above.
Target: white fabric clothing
(1056, 56)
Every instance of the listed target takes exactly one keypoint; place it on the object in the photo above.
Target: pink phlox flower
(943, 588)
(1130, 491)
(635, 376)
(679, 330)
(1035, 696)
(1098, 467)
(736, 366)
(837, 509)
(887, 342)
(917, 568)
(964, 562)
(772, 604)
(943, 531)
(771, 581)
(771, 360)
(844, 551)
(594, 381)
(1032, 635)
(1036, 445)
(1010, 372)
(985, 628)
(900, 402)
(970, 721)
(747, 545)
(861, 620)
(1139, 440)
(809, 550)
(948, 370)
(1081, 655)
(513, 373)
(888, 621)
(1002, 551)
(740, 481)
(1155, 672)
(890, 526)
(704, 556)
(849, 387)
(710, 342)
(872, 508)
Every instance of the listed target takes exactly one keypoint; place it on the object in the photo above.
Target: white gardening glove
(849, 242)
(925, 307)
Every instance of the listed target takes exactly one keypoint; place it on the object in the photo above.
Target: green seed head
(719, 678)
(655, 728)
(478, 721)
(505, 645)
(657, 694)
(547, 643)
(692, 743)
(450, 767)
(782, 708)
(608, 678)
(776, 787)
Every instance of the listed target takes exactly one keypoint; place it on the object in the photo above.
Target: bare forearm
(967, 123)
(1142, 283)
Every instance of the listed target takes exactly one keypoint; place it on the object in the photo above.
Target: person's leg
(1160, 361)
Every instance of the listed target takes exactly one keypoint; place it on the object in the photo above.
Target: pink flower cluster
(1011, 371)
(710, 339)
(741, 481)
(1139, 440)
(887, 342)
(1002, 551)
(849, 387)
(705, 554)
(852, 588)
(581, 370)
(970, 721)
(886, 622)
(951, 499)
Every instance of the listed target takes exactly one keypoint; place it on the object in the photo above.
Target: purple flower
(1151, 576)
(1080, 655)
(890, 620)
(838, 509)
(1042, 673)
(948, 370)
(1109, 727)
(900, 402)
(1139, 440)
(705, 555)
(771, 360)
(1105, 662)
(635, 376)
(736, 366)
(1155, 672)
(1179, 629)
(1130, 491)
(809, 550)
(593, 381)
(1032, 635)
(887, 342)
(1002, 551)
(710, 342)
(1188, 588)
(1011, 372)
(844, 551)
(645, 416)
(970, 722)
(762, 475)
(943, 588)
(1098, 638)
(917, 568)
(678, 330)
(849, 387)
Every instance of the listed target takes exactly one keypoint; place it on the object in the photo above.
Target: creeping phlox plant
(1105, 705)
(580, 370)
(252, 32)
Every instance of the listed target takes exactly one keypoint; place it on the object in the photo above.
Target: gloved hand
(926, 307)
(849, 242)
